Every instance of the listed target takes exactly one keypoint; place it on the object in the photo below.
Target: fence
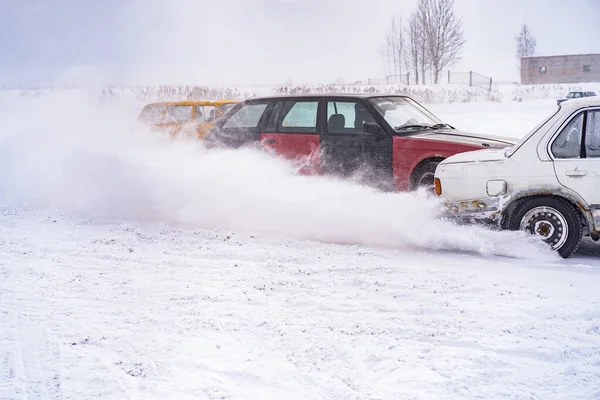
(470, 78)
(401, 79)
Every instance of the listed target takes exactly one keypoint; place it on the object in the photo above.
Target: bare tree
(412, 56)
(443, 33)
(525, 42)
(387, 58)
(396, 37)
(393, 47)
(416, 58)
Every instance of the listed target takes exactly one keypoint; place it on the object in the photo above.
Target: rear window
(568, 143)
(151, 114)
(550, 119)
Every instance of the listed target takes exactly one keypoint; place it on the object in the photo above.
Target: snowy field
(133, 267)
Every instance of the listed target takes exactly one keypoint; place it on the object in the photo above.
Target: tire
(555, 220)
(423, 176)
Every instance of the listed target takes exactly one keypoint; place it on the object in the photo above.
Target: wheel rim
(426, 180)
(548, 224)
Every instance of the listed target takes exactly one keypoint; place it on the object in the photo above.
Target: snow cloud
(80, 156)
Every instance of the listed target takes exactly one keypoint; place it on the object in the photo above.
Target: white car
(547, 184)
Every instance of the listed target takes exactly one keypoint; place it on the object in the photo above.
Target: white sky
(264, 41)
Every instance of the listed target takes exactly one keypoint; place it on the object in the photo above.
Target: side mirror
(373, 128)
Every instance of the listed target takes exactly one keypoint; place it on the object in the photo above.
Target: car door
(348, 151)
(292, 132)
(576, 153)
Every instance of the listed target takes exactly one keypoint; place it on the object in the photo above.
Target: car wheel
(424, 175)
(554, 220)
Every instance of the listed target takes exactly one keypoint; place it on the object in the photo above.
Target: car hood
(451, 135)
(484, 155)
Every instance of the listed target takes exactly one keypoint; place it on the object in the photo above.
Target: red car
(387, 142)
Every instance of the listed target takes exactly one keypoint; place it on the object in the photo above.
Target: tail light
(437, 186)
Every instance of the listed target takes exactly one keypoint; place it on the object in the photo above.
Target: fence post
(470, 78)
(448, 76)
(490, 84)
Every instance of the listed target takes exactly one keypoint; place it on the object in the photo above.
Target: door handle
(270, 141)
(576, 172)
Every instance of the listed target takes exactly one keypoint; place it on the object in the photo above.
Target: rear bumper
(487, 211)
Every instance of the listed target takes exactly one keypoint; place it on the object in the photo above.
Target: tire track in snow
(11, 368)
(32, 371)
(317, 391)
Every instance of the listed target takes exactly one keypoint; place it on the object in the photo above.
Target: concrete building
(574, 68)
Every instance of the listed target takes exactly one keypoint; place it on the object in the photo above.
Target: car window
(568, 143)
(206, 113)
(300, 114)
(347, 117)
(248, 116)
(592, 134)
(178, 114)
(293, 116)
(152, 114)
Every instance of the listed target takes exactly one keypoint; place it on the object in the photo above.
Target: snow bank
(453, 93)
(68, 152)
(427, 94)
(543, 92)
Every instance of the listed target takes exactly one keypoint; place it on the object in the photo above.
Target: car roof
(329, 94)
(573, 104)
(193, 102)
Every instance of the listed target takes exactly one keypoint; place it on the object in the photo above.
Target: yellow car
(174, 116)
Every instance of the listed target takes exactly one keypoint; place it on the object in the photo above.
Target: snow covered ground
(507, 118)
(134, 267)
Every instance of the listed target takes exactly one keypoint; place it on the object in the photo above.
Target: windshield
(403, 113)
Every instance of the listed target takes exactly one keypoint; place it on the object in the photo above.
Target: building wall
(560, 69)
